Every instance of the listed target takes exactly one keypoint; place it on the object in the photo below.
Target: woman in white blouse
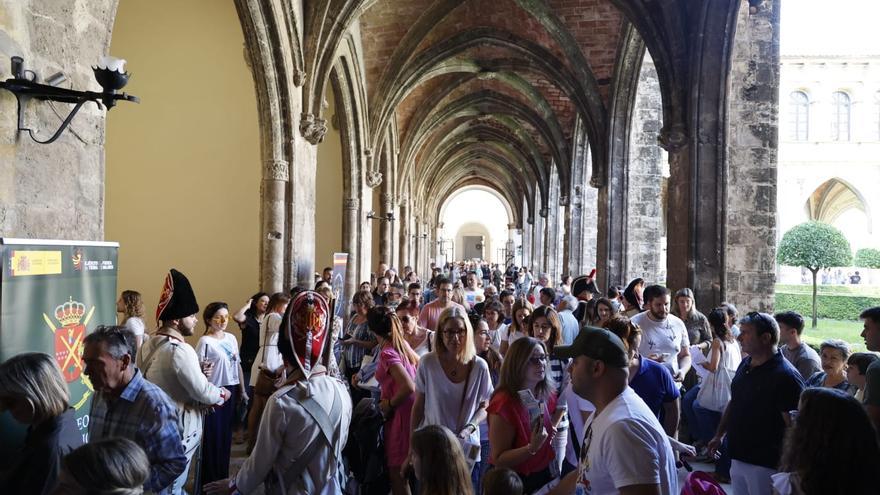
(268, 365)
(453, 385)
(218, 350)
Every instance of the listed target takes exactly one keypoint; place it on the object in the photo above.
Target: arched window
(876, 116)
(798, 116)
(840, 116)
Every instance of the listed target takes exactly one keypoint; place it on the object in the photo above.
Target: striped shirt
(354, 354)
(144, 414)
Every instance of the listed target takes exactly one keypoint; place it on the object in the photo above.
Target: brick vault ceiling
(487, 82)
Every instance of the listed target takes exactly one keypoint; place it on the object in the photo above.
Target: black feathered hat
(177, 299)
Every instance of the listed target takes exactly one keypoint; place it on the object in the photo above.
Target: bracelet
(473, 425)
(529, 450)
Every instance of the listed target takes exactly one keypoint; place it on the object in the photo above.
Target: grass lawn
(848, 331)
(835, 290)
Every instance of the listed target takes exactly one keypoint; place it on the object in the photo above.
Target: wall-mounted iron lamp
(24, 84)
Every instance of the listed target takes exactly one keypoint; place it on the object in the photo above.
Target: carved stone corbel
(673, 138)
(544, 212)
(312, 129)
(374, 179)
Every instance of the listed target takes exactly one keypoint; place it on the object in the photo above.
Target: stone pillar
(386, 236)
(528, 232)
(510, 246)
(350, 240)
(275, 177)
(563, 260)
(752, 150)
(404, 237)
(542, 243)
(645, 176)
(301, 210)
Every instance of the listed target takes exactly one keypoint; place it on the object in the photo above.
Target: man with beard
(664, 336)
(169, 362)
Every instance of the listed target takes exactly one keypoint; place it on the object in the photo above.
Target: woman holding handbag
(723, 360)
(268, 364)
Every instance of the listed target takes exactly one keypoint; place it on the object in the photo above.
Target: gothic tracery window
(799, 116)
(840, 116)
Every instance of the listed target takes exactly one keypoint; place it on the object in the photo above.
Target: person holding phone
(523, 415)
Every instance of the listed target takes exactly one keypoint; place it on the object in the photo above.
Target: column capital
(511, 226)
(351, 204)
(275, 169)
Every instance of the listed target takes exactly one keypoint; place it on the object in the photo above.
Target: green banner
(52, 294)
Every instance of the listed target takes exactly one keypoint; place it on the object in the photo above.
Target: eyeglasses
(455, 333)
(538, 360)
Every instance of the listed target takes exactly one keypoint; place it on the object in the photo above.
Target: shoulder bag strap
(467, 381)
(148, 361)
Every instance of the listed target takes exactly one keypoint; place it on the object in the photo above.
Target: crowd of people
(476, 379)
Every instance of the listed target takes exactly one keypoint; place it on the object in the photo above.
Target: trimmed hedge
(834, 307)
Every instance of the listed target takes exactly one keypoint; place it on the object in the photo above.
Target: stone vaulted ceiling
(488, 91)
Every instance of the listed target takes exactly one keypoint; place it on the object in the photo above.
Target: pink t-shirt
(430, 314)
(397, 428)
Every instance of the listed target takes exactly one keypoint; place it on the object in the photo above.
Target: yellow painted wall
(183, 167)
(328, 192)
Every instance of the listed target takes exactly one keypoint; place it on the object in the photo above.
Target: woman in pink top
(395, 374)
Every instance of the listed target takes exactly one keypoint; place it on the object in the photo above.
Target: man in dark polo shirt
(871, 334)
(765, 388)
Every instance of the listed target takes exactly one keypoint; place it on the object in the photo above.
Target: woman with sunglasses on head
(420, 339)
(395, 374)
(518, 327)
(453, 385)
(520, 433)
(218, 351)
(545, 326)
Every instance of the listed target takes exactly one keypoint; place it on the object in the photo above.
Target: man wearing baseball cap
(625, 449)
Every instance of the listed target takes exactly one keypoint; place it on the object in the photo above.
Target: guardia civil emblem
(72, 318)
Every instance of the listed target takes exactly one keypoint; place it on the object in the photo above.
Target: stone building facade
(538, 100)
(829, 155)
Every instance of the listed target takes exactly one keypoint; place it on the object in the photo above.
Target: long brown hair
(555, 326)
(442, 468)
(513, 369)
(383, 322)
(832, 446)
(520, 303)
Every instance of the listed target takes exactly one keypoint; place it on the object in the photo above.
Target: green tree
(814, 246)
(867, 258)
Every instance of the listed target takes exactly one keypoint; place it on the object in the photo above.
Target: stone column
(403, 239)
(272, 191)
(528, 232)
(510, 246)
(564, 242)
(350, 240)
(752, 147)
(301, 208)
(386, 236)
(574, 232)
(543, 240)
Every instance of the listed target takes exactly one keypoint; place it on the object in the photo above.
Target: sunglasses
(538, 360)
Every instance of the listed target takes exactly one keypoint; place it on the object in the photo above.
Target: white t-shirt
(667, 338)
(628, 447)
(495, 336)
(443, 399)
(508, 337)
(577, 407)
(136, 325)
(268, 346)
(223, 353)
(474, 296)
